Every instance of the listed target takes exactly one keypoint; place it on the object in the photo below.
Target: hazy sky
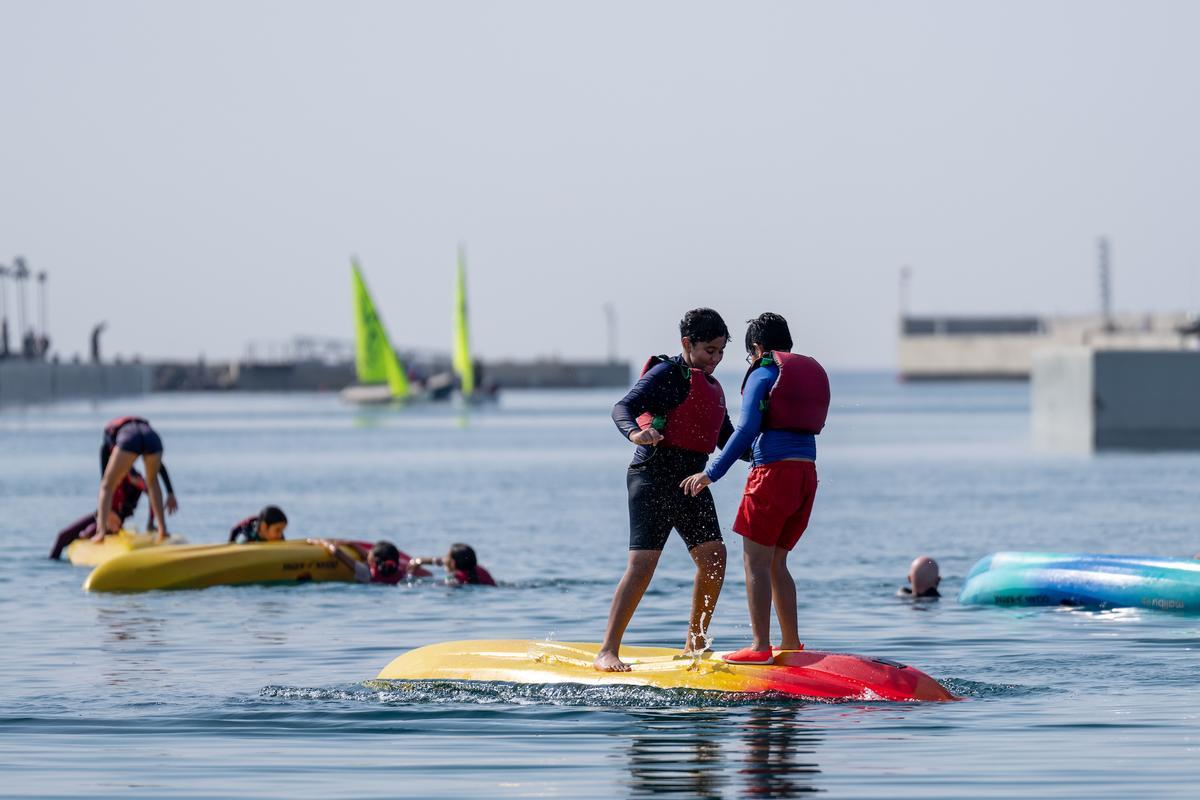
(198, 174)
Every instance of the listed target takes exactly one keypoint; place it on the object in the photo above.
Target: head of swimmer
(271, 524)
(384, 559)
(461, 558)
(923, 575)
(703, 335)
(767, 333)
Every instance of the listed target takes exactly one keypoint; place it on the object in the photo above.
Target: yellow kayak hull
(806, 673)
(200, 566)
(86, 553)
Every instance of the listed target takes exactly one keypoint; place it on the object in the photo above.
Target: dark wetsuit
(125, 503)
(656, 503)
(931, 592)
(247, 529)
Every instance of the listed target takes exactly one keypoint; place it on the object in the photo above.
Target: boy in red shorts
(785, 399)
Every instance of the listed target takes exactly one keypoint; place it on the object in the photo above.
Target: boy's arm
(336, 552)
(657, 390)
(748, 427)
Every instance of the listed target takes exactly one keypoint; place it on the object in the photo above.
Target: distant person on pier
(268, 526)
(127, 439)
(923, 580)
(675, 415)
(785, 399)
(96, 331)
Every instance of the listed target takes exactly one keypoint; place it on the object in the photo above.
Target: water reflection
(762, 751)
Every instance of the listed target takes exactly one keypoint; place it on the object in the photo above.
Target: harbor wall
(1002, 348)
(32, 382)
(1087, 400)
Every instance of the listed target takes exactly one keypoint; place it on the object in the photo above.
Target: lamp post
(4, 272)
(20, 275)
(45, 336)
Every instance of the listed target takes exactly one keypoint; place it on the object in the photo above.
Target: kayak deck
(805, 673)
(86, 553)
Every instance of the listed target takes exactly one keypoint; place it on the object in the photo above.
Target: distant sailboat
(464, 368)
(463, 364)
(381, 375)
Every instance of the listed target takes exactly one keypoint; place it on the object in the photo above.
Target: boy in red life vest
(126, 440)
(676, 416)
(462, 566)
(785, 399)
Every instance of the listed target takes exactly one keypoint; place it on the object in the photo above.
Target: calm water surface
(267, 692)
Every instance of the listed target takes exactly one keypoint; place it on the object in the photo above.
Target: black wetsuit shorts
(657, 504)
(138, 437)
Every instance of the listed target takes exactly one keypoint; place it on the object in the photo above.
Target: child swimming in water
(383, 563)
(462, 566)
(268, 526)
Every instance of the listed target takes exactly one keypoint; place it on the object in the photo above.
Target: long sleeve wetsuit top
(769, 445)
(658, 391)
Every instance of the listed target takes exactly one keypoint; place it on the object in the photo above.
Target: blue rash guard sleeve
(749, 422)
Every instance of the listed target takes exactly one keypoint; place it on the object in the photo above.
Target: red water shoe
(748, 656)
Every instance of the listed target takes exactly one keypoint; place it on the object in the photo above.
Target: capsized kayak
(1090, 580)
(86, 553)
(806, 673)
(200, 566)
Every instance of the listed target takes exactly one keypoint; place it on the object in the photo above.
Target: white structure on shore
(1002, 347)
(1084, 399)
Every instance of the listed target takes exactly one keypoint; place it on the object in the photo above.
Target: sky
(198, 174)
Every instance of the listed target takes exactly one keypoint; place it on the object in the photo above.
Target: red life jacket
(484, 578)
(694, 424)
(799, 400)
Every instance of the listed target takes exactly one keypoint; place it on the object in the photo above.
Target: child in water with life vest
(384, 563)
(268, 526)
(462, 566)
(124, 503)
(785, 399)
(675, 415)
(126, 439)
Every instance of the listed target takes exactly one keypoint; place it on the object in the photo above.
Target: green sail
(463, 367)
(375, 360)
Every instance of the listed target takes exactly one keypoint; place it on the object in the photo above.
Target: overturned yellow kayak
(86, 553)
(201, 565)
(805, 673)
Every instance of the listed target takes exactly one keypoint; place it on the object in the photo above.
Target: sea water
(261, 691)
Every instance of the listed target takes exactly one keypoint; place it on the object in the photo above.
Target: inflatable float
(86, 553)
(805, 673)
(201, 566)
(1084, 579)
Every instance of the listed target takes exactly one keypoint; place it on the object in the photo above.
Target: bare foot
(607, 661)
(97, 538)
(796, 645)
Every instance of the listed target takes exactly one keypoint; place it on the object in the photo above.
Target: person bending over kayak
(462, 566)
(676, 416)
(124, 503)
(785, 399)
(106, 447)
(127, 440)
(268, 526)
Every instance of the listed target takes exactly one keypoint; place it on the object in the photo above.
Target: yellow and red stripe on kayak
(806, 673)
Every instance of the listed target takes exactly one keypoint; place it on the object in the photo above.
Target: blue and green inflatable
(1084, 579)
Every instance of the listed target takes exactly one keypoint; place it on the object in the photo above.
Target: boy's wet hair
(465, 561)
(769, 331)
(702, 325)
(271, 515)
(385, 551)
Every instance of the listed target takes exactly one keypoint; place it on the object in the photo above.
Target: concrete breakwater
(29, 382)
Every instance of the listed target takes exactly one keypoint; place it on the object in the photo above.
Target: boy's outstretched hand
(694, 484)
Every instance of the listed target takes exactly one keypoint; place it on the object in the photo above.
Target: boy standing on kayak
(785, 399)
(676, 416)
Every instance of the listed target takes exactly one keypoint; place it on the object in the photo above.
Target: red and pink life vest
(694, 424)
(799, 400)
